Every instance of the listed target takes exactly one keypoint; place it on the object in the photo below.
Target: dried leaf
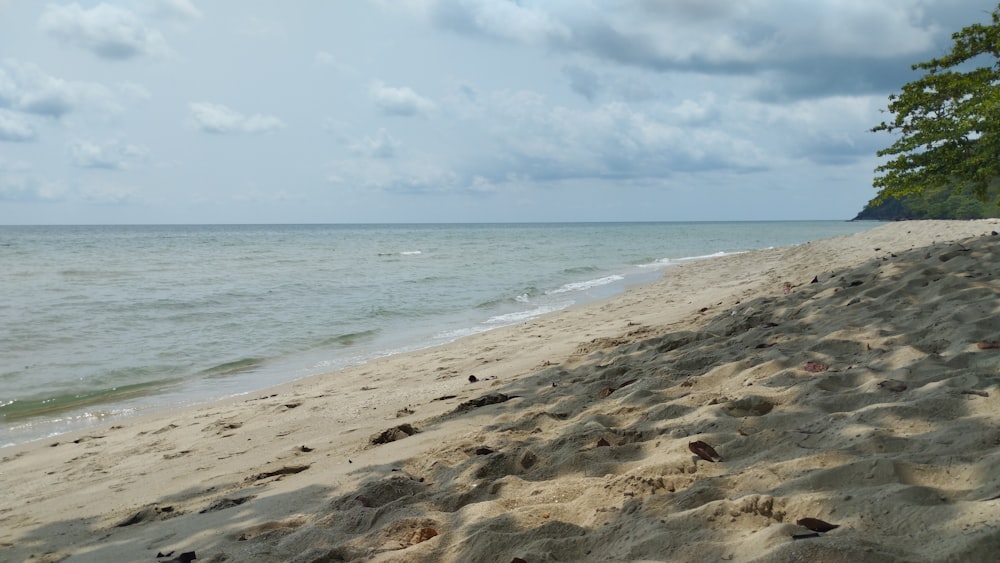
(975, 392)
(704, 451)
(816, 525)
(281, 472)
(604, 393)
(988, 344)
(815, 367)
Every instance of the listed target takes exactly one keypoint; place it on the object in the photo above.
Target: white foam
(517, 316)
(580, 286)
(452, 335)
(665, 262)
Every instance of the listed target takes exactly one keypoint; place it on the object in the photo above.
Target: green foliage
(948, 121)
(933, 203)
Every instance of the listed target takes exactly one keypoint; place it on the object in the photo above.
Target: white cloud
(113, 155)
(414, 175)
(105, 30)
(829, 130)
(531, 140)
(516, 21)
(324, 58)
(482, 185)
(135, 91)
(859, 38)
(13, 165)
(258, 196)
(217, 118)
(695, 112)
(400, 101)
(25, 87)
(108, 193)
(857, 28)
(583, 81)
(182, 10)
(327, 59)
(382, 145)
(15, 127)
(523, 139)
(23, 187)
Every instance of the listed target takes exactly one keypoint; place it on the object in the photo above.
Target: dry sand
(863, 399)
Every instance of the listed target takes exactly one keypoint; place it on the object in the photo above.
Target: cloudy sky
(246, 111)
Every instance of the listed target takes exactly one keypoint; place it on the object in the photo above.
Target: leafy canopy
(933, 203)
(948, 121)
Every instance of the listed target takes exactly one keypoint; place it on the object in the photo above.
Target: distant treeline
(943, 203)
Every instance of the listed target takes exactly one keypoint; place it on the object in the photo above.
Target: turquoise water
(102, 322)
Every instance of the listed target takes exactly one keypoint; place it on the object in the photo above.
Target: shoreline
(69, 413)
(118, 412)
(277, 476)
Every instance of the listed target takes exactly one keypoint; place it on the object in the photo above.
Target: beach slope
(832, 401)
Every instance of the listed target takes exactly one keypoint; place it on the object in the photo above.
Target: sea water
(101, 322)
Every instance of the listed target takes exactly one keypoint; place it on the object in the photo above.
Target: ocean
(103, 322)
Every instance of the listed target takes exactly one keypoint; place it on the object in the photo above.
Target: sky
(373, 111)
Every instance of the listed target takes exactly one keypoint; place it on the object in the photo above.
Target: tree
(933, 203)
(948, 121)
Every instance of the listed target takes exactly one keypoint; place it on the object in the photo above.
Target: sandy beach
(851, 381)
